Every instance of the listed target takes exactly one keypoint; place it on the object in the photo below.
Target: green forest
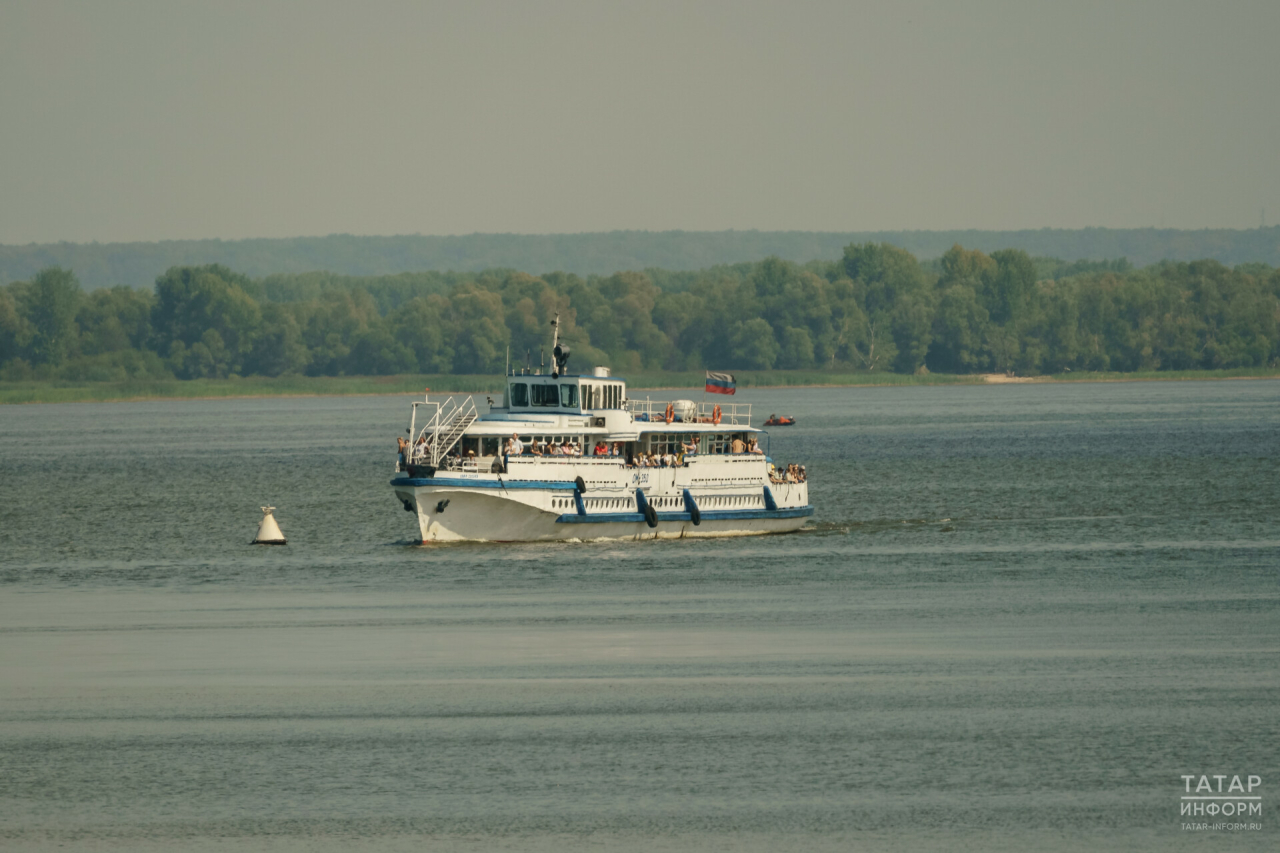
(876, 309)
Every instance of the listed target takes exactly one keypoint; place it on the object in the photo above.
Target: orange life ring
(715, 415)
(671, 414)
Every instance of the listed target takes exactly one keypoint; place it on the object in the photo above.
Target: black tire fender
(650, 515)
(580, 484)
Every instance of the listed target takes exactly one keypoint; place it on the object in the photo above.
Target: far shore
(688, 382)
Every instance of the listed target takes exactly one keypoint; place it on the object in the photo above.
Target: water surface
(1020, 613)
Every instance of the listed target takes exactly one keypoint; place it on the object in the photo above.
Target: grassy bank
(312, 386)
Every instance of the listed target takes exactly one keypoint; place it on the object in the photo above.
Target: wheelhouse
(564, 394)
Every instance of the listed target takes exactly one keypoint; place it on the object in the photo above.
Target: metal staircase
(447, 426)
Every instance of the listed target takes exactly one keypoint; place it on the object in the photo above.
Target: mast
(559, 354)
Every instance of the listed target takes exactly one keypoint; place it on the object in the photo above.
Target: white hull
(453, 509)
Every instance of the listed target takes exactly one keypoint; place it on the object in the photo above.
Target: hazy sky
(147, 121)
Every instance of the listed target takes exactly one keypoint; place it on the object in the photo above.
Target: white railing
(687, 411)
(442, 431)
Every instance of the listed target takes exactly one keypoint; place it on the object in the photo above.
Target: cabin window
(569, 396)
(519, 394)
(490, 446)
(545, 395)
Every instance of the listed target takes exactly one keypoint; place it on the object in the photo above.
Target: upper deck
(578, 412)
(600, 395)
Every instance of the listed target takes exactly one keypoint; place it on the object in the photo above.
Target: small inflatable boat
(774, 420)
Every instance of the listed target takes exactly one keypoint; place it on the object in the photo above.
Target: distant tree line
(876, 309)
(106, 264)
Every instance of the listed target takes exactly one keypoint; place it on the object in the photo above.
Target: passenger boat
(486, 477)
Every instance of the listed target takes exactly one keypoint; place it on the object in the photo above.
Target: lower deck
(591, 498)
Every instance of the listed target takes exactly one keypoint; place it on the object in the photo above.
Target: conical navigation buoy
(268, 531)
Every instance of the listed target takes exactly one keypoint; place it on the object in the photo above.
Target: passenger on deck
(690, 448)
(536, 447)
(617, 449)
(556, 450)
(514, 445)
(669, 460)
(754, 447)
(804, 475)
(602, 448)
(738, 446)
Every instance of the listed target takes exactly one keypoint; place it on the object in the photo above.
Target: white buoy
(268, 531)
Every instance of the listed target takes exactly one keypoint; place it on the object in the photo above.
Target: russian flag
(720, 383)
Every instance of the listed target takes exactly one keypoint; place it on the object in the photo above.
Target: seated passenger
(754, 447)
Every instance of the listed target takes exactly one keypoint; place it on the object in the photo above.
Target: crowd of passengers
(669, 457)
(791, 473)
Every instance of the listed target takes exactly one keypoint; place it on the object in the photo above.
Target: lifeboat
(774, 420)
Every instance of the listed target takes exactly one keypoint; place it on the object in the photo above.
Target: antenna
(559, 351)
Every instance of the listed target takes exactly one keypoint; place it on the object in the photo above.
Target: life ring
(670, 414)
(715, 415)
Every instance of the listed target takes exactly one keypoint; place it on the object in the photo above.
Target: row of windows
(595, 504)
(622, 504)
(497, 445)
(673, 442)
(565, 396)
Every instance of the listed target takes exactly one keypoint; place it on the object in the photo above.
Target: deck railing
(688, 411)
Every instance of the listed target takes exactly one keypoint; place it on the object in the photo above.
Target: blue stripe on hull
(707, 515)
(484, 484)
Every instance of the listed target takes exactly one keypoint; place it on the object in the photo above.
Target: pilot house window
(519, 394)
(569, 396)
(545, 395)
